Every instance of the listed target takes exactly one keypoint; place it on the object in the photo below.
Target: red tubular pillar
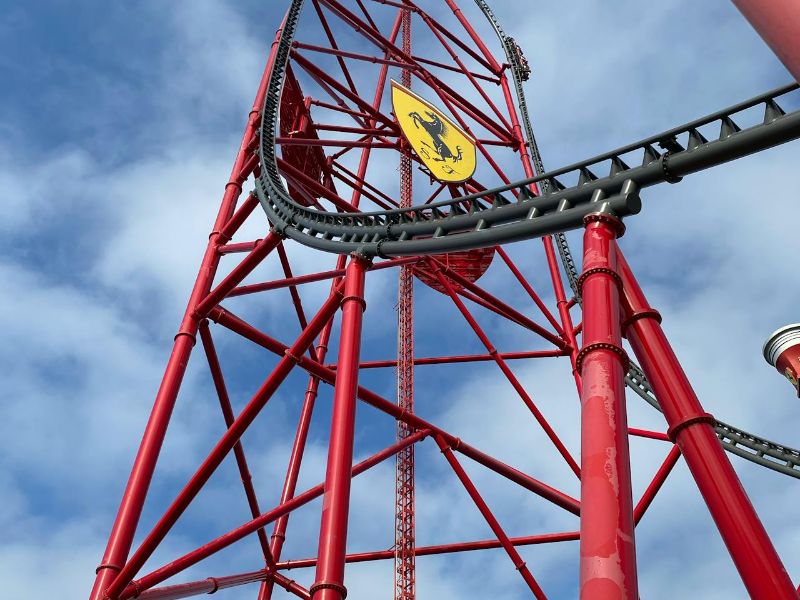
(778, 22)
(329, 583)
(608, 555)
(692, 430)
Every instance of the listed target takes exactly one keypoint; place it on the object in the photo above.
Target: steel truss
(300, 176)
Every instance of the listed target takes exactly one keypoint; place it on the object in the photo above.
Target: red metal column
(778, 22)
(692, 430)
(329, 583)
(608, 555)
(130, 509)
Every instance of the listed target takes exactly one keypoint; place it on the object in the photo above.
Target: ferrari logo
(443, 147)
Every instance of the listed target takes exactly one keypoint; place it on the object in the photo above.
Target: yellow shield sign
(447, 151)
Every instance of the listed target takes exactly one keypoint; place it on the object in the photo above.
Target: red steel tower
(329, 129)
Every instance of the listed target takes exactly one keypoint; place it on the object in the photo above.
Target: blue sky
(118, 126)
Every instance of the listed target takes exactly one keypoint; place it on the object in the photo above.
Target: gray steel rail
(490, 218)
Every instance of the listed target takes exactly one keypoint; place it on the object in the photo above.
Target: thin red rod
(351, 84)
(298, 304)
(530, 540)
(512, 379)
(691, 428)
(324, 78)
(465, 358)
(238, 273)
(225, 540)
(456, 40)
(658, 480)
(493, 523)
(338, 108)
(434, 63)
(463, 69)
(238, 247)
(608, 552)
(646, 433)
(329, 582)
(295, 141)
(312, 277)
(238, 449)
(227, 319)
(563, 305)
(363, 183)
(514, 315)
(127, 519)
(211, 585)
(246, 208)
(353, 55)
(314, 187)
(529, 289)
(225, 444)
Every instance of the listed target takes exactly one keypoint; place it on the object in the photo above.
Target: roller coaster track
(514, 212)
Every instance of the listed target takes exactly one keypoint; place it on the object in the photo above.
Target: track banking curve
(516, 212)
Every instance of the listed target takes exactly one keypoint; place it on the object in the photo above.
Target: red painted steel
(608, 553)
(692, 430)
(225, 540)
(225, 444)
(127, 519)
(515, 557)
(329, 582)
(778, 22)
(528, 540)
(313, 166)
(405, 497)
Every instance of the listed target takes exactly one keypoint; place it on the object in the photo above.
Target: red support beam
(225, 540)
(658, 480)
(512, 379)
(261, 249)
(529, 540)
(329, 582)
(608, 552)
(313, 277)
(692, 429)
(130, 509)
(465, 358)
(211, 585)
(493, 523)
(298, 449)
(238, 449)
(224, 445)
(226, 319)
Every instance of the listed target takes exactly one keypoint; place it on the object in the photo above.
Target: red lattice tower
(404, 483)
(321, 146)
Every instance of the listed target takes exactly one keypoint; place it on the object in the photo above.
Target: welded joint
(594, 271)
(293, 357)
(693, 419)
(618, 350)
(648, 313)
(328, 585)
(102, 566)
(215, 582)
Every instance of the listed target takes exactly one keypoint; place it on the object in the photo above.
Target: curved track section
(514, 212)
